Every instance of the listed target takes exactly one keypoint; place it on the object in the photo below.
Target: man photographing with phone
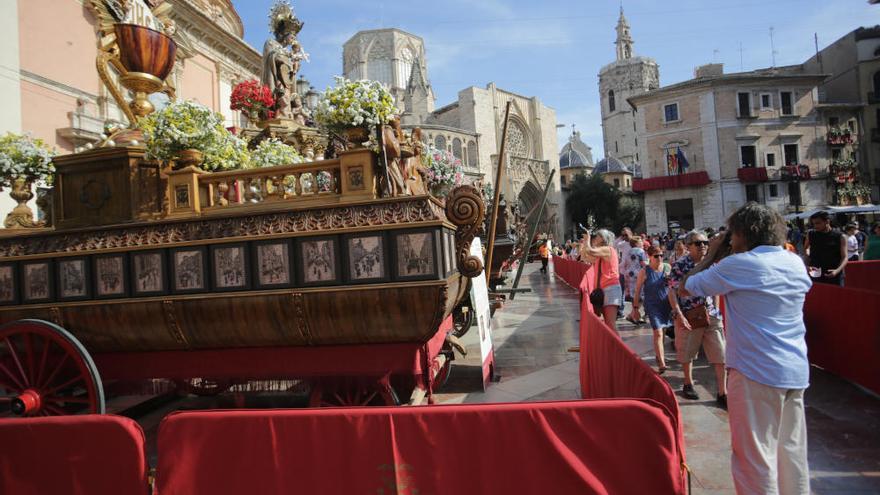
(764, 288)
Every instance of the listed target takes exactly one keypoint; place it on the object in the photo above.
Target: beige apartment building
(751, 136)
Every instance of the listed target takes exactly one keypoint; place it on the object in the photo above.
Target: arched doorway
(529, 198)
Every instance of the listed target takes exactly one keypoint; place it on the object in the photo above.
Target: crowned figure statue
(282, 56)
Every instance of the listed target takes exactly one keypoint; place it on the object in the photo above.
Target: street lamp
(312, 98)
(302, 86)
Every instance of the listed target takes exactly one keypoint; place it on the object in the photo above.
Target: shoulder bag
(698, 317)
(597, 297)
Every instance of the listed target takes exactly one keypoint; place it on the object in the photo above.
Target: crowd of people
(763, 268)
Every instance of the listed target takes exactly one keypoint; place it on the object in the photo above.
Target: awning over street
(836, 209)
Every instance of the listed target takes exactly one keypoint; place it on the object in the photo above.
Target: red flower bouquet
(253, 98)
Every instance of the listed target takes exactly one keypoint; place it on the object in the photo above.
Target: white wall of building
(10, 83)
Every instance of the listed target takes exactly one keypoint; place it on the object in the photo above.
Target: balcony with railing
(752, 174)
(839, 136)
(691, 179)
(795, 172)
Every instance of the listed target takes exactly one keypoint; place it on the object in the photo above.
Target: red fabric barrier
(571, 272)
(559, 448)
(843, 332)
(863, 275)
(72, 455)
(610, 370)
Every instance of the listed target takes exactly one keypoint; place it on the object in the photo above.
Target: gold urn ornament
(136, 43)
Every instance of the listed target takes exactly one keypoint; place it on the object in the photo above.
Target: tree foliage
(589, 195)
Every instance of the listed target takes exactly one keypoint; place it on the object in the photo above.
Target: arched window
(440, 143)
(456, 149)
(379, 64)
(877, 84)
(611, 100)
(472, 160)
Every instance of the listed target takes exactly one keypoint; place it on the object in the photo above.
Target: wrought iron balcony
(691, 179)
(752, 174)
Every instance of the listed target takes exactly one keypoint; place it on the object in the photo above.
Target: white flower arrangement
(183, 125)
(272, 152)
(443, 170)
(228, 152)
(355, 104)
(25, 157)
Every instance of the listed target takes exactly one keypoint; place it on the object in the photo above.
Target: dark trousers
(544, 264)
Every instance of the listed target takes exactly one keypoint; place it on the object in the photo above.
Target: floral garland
(355, 104)
(442, 170)
(253, 98)
(183, 125)
(272, 153)
(22, 156)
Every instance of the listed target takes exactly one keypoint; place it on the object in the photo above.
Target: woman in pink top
(600, 247)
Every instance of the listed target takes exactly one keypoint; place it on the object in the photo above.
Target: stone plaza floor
(533, 332)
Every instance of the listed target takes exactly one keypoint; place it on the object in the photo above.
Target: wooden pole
(534, 230)
(498, 176)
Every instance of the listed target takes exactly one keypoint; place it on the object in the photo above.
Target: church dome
(612, 165)
(573, 159)
(575, 153)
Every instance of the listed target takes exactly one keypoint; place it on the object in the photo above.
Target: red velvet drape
(72, 455)
(559, 448)
(863, 275)
(843, 332)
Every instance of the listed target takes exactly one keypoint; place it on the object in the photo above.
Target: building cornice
(688, 86)
(206, 33)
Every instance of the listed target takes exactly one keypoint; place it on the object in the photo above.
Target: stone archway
(529, 197)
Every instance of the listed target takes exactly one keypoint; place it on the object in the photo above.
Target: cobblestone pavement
(532, 334)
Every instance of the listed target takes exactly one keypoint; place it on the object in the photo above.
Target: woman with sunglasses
(653, 279)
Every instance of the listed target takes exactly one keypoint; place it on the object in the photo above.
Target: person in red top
(600, 250)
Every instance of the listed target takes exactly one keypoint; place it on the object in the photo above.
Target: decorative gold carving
(21, 217)
(465, 208)
(402, 212)
(171, 321)
(302, 322)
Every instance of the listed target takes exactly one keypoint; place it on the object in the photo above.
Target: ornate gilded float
(318, 271)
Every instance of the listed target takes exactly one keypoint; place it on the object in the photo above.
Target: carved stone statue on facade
(282, 56)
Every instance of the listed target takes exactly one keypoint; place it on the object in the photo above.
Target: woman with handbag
(653, 279)
(697, 321)
(607, 296)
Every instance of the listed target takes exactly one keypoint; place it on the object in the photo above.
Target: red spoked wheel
(352, 392)
(45, 371)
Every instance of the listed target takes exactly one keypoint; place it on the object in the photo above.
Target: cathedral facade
(470, 127)
(627, 76)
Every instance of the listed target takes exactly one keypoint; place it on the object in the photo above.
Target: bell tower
(624, 39)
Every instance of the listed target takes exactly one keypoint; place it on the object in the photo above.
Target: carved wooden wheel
(351, 392)
(45, 371)
(462, 318)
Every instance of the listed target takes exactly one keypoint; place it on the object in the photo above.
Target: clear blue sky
(554, 49)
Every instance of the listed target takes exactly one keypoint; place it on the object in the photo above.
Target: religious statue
(282, 56)
(414, 171)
